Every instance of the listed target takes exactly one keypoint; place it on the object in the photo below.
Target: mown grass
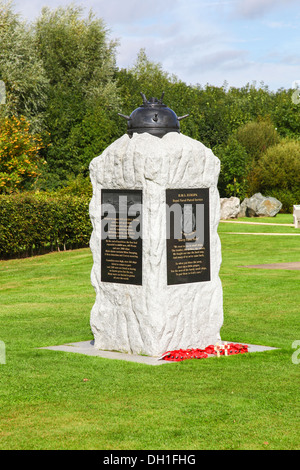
(249, 401)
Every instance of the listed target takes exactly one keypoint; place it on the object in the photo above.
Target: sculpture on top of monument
(154, 117)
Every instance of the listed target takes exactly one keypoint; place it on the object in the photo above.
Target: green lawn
(240, 402)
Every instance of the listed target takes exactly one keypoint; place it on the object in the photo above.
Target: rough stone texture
(153, 318)
(230, 208)
(260, 206)
(296, 215)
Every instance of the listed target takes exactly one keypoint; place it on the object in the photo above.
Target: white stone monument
(296, 215)
(160, 291)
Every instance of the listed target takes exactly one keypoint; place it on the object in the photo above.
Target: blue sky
(201, 41)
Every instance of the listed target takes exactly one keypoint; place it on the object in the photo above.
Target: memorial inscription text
(188, 235)
(121, 236)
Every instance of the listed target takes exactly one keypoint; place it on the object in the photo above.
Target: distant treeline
(63, 93)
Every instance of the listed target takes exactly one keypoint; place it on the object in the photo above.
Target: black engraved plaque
(121, 236)
(188, 235)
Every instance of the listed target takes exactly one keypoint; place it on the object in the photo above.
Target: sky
(201, 41)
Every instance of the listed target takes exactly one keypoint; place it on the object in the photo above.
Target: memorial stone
(155, 211)
(296, 215)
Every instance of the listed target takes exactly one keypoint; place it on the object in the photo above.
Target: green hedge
(32, 224)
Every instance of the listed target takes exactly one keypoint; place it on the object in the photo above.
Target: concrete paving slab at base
(87, 348)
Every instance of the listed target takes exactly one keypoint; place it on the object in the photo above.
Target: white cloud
(224, 59)
(280, 25)
(129, 11)
(201, 41)
(275, 75)
(256, 8)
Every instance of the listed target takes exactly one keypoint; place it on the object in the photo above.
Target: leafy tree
(21, 70)
(146, 77)
(214, 127)
(256, 137)
(89, 138)
(20, 163)
(286, 114)
(278, 173)
(234, 169)
(149, 78)
(150, 74)
(77, 186)
(60, 73)
(279, 167)
(252, 101)
(79, 62)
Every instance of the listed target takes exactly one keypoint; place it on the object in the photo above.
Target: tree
(234, 169)
(146, 77)
(90, 137)
(286, 114)
(149, 78)
(256, 137)
(279, 167)
(20, 163)
(278, 173)
(21, 70)
(79, 62)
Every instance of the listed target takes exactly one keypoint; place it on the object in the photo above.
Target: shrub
(77, 186)
(234, 168)
(20, 162)
(37, 223)
(278, 173)
(279, 167)
(256, 137)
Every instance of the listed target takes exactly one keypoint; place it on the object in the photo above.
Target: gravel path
(293, 266)
(255, 223)
(262, 233)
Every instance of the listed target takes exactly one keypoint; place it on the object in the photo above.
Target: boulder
(260, 206)
(230, 207)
